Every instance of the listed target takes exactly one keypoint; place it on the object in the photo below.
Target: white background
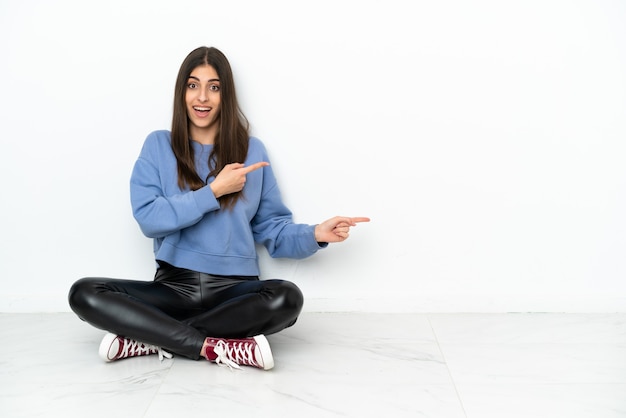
(485, 139)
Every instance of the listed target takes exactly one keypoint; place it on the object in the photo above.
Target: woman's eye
(191, 85)
(214, 87)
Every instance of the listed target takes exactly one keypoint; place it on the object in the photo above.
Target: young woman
(205, 193)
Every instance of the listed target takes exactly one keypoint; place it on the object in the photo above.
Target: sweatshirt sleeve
(273, 225)
(159, 214)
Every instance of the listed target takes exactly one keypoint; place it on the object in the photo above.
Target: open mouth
(202, 110)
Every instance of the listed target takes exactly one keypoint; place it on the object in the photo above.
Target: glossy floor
(333, 365)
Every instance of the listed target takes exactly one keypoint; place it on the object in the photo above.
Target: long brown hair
(231, 141)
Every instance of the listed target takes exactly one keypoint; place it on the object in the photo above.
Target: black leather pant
(180, 308)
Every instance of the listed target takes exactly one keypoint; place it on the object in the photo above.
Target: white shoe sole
(105, 347)
(265, 351)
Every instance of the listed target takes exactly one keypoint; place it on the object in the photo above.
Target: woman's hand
(336, 229)
(232, 178)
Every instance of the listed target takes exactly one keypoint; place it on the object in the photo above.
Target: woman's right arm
(159, 215)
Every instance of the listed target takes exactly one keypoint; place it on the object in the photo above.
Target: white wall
(485, 139)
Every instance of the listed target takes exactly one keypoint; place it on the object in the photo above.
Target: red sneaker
(254, 351)
(113, 347)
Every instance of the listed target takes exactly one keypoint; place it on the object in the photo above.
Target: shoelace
(136, 348)
(234, 354)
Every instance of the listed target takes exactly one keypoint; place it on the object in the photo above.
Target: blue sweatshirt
(189, 228)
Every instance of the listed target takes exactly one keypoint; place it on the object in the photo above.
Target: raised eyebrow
(191, 77)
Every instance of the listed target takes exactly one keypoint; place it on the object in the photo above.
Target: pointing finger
(352, 221)
(255, 166)
(360, 219)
